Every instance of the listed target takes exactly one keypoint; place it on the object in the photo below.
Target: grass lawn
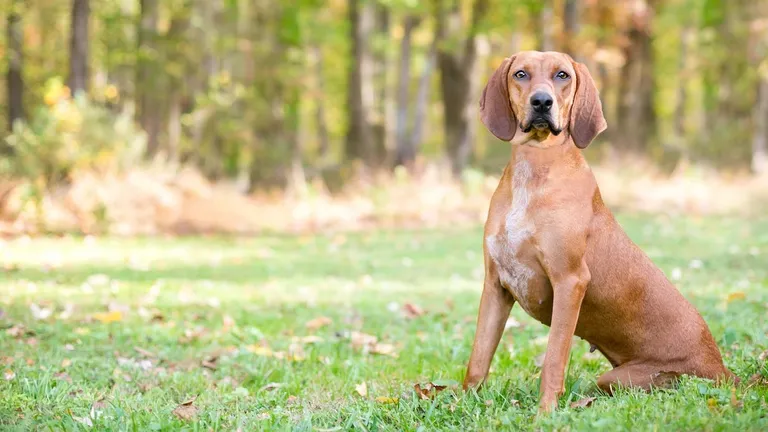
(332, 332)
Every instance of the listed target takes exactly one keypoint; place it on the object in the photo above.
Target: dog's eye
(520, 74)
(562, 75)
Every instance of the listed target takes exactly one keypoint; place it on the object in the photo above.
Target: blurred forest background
(108, 104)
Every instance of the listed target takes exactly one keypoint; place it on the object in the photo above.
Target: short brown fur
(564, 258)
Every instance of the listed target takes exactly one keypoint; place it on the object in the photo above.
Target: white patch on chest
(504, 247)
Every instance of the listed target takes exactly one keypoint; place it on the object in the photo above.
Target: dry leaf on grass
(412, 310)
(738, 295)
(362, 389)
(387, 400)
(9, 374)
(108, 317)
(271, 386)
(583, 403)
(186, 410)
(318, 323)
(18, 331)
(429, 390)
(66, 363)
(144, 352)
(370, 344)
(210, 362)
(62, 376)
(763, 355)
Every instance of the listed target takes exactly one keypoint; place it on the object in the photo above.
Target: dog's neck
(548, 152)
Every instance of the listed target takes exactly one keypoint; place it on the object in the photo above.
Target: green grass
(226, 297)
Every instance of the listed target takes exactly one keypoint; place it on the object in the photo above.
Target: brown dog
(552, 246)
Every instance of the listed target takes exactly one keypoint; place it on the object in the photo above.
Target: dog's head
(542, 93)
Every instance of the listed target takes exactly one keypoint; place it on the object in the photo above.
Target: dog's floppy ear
(495, 109)
(587, 120)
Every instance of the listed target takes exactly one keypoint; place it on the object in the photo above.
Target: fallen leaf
(62, 376)
(9, 374)
(291, 400)
(360, 340)
(383, 349)
(144, 352)
(271, 386)
(66, 363)
(108, 317)
(310, 339)
(583, 403)
(362, 389)
(260, 350)
(318, 323)
(210, 362)
(412, 311)
(763, 355)
(757, 379)
(428, 390)
(228, 323)
(83, 420)
(18, 330)
(387, 400)
(186, 410)
(738, 295)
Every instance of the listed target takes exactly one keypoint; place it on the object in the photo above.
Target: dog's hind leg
(642, 376)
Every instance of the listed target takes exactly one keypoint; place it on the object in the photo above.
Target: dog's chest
(507, 246)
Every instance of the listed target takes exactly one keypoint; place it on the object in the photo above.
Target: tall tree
(360, 143)
(15, 80)
(456, 65)
(405, 153)
(636, 114)
(571, 27)
(78, 47)
(545, 26)
(147, 88)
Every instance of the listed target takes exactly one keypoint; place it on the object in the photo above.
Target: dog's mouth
(542, 123)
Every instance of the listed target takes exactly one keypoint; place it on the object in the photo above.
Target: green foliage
(69, 135)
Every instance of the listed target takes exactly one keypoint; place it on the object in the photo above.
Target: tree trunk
(405, 153)
(15, 80)
(760, 138)
(360, 140)
(322, 127)
(456, 69)
(384, 111)
(78, 54)
(571, 28)
(682, 90)
(422, 99)
(147, 75)
(636, 115)
(545, 26)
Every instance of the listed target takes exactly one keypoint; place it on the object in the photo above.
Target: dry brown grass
(153, 201)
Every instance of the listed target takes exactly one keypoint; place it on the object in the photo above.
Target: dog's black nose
(541, 102)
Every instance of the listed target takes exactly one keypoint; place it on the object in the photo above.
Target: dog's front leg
(569, 284)
(495, 305)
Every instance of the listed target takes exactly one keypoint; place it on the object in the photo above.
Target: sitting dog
(552, 246)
